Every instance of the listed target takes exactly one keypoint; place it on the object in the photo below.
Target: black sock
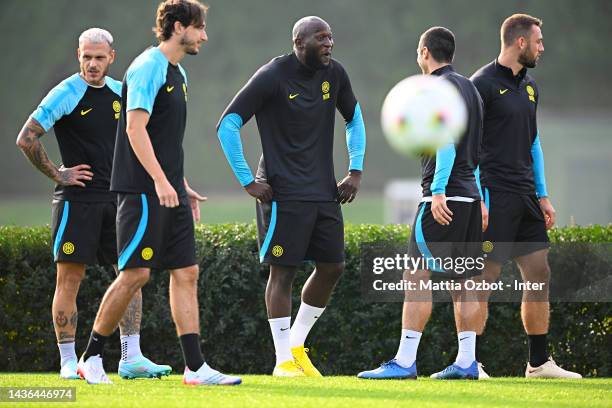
(95, 345)
(190, 343)
(479, 340)
(537, 350)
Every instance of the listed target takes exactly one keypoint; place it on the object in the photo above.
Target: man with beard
(156, 206)
(512, 176)
(294, 98)
(83, 111)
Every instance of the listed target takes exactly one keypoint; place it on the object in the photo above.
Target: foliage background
(376, 42)
(353, 334)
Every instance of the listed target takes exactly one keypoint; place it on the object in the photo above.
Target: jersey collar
(443, 70)
(305, 70)
(78, 74)
(507, 72)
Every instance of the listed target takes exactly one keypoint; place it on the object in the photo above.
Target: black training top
(462, 181)
(84, 119)
(510, 128)
(295, 111)
(153, 84)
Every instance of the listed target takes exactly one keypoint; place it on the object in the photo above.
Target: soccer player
(512, 175)
(155, 226)
(294, 98)
(83, 110)
(450, 212)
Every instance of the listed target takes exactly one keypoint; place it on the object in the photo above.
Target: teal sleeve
(477, 177)
(356, 140)
(229, 136)
(537, 156)
(445, 159)
(143, 82)
(60, 101)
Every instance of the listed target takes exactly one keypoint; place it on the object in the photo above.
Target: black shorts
(84, 232)
(516, 225)
(441, 246)
(152, 236)
(291, 232)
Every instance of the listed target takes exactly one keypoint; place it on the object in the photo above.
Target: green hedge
(352, 336)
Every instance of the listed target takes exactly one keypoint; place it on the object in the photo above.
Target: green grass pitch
(267, 391)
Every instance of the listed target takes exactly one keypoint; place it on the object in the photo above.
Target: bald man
(294, 98)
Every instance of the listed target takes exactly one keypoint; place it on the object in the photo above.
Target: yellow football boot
(302, 360)
(288, 369)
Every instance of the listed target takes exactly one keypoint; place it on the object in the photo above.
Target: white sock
(130, 347)
(281, 333)
(407, 351)
(306, 317)
(467, 349)
(67, 352)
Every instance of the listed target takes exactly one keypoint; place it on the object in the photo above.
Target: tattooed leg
(64, 309)
(130, 322)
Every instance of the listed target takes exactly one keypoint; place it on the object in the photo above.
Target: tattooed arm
(29, 143)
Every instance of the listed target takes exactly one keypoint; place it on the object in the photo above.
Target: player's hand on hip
(440, 211)
(74, 176)
(260, 190)
(194, 200)
(485, 216)
(550, 215)
(348, 187)
(166, 194)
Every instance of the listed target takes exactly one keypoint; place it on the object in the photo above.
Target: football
(423, 113)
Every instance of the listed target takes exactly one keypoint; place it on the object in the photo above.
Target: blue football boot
(390, 370)
(454, 372)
